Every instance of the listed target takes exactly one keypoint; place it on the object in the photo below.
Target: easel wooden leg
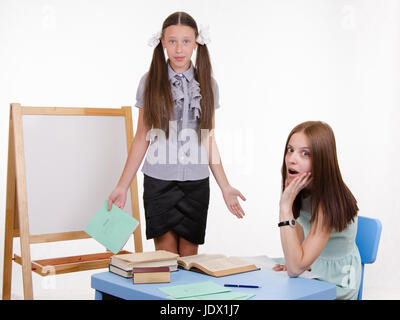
(26, 266)
(137, 235)
(22, 200)
(10, 212)
(8, 251)
(7, 263)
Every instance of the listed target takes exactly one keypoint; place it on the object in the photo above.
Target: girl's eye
(289, 149)
(305, 153)
(171, 41)
(186, 41)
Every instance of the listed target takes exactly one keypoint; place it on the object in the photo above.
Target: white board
(72, 164)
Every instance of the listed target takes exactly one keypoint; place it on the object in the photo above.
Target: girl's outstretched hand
(293, 188)
(117, 197)
(230, 195)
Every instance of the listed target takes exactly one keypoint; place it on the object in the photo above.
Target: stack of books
(123, 264)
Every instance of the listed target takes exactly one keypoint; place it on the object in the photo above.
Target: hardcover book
(158, 258)
(151, 275)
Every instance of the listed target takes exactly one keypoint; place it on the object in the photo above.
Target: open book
(217, 265)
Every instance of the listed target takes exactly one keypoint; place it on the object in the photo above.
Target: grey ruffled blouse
(180, 157)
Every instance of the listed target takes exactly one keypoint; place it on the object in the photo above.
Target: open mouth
(292, 172)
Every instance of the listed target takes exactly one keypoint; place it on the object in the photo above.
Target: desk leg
(98, 295)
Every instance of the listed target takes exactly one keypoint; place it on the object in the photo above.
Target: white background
(278, 63)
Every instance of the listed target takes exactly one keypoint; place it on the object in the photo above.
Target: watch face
(293, 222)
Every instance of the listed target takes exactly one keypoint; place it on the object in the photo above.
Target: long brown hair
(158, 104)
(328, 191)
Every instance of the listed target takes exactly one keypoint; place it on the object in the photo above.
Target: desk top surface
(274, 285)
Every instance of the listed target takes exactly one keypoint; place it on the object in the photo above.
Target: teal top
(340, 261)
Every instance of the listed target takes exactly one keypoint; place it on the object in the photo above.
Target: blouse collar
(188, 74)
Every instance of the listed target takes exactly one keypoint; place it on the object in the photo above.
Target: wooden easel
(16, 217)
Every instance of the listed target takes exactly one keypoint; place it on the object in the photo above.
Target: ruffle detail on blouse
(177, 90)
(195, 97)
(194, 94)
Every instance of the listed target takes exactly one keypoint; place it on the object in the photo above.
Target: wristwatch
(291, 222)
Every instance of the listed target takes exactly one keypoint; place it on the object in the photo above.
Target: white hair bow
(204, 35)
(154, 40)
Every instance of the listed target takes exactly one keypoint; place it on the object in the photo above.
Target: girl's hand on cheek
(292, 189)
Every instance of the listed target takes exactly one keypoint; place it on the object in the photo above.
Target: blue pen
(240, 286)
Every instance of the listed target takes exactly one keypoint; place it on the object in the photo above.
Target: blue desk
(274, 285)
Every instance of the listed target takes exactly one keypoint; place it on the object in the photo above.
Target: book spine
(120, 272)
(154, 277)
(150, 269)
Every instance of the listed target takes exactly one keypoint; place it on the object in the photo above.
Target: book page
(267, 263)
(263, 262)
(199, 258)
(224, 263)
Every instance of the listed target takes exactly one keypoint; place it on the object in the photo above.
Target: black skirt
(180, 206)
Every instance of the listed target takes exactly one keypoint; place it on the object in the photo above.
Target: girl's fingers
(278, 267)
(301, 181)
(306, 179)
(237, 210)
(109, 204)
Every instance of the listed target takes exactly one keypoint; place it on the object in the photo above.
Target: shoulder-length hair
(328, 191)
(158, 104)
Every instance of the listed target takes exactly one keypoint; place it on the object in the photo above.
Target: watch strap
(291, 223)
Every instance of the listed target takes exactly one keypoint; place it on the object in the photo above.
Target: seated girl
(318, 213)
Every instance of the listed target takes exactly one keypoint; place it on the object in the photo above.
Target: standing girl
(176, 102)
(323, 237)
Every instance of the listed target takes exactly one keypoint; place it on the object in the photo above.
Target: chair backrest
(367, 239)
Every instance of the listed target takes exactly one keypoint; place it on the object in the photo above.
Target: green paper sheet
(194, 289)
(111, 228)
(232, 295)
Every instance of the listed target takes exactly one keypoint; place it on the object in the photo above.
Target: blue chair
(367, 240)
